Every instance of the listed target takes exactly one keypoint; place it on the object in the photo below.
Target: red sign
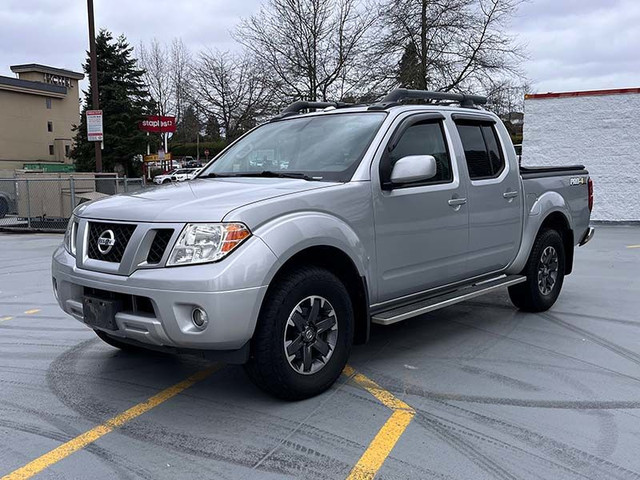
(158, 124)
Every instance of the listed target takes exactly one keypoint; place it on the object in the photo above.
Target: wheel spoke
(315, 309)
(321, 346)
(307, 358)
(326, 324)
(295, 346)
(299, 321)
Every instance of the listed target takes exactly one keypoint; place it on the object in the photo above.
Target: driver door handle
(456, 202)
(510, 194)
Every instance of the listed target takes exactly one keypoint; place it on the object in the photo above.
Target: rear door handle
(510, 194)
(456, 202)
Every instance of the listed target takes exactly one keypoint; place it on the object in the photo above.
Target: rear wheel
(545, 274)
(304, 335)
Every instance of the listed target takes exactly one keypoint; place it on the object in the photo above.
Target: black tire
(4, 207)
(529, 296)
(269, 366)
(125, 347)
(164, 182)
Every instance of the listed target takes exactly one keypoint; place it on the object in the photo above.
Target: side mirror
(413, 168)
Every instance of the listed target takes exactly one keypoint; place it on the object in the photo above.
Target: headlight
(206, 242)
(70, 236)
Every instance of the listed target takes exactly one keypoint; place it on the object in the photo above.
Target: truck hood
(205, 200)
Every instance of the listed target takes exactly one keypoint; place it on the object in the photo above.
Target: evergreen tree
(124, 101)
(212, 129)
(409, 68)
(188, 127)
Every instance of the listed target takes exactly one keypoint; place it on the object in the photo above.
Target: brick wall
(603, 133)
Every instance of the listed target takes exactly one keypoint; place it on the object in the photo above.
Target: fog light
(199, 318)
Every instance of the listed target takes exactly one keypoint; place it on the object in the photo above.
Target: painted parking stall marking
(386, 438)
(32, 311)
(39, 464)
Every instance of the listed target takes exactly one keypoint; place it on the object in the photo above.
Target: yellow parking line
(633, 246)
(4, 319)
(386, 438)
(32, 311)
(81, 441)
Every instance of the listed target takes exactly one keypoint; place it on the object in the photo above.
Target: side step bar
(440, 301)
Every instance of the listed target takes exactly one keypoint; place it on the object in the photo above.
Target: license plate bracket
(100, 312)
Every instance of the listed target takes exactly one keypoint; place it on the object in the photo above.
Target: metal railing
(39, 203)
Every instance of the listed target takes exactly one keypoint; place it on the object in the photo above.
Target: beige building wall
(27, 115)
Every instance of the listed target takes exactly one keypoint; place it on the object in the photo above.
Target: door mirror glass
(413, 168)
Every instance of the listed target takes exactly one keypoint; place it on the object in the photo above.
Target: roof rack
(297, 107)
(396, 96)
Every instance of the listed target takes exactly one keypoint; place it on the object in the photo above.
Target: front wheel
(545, 274)
(304, 335)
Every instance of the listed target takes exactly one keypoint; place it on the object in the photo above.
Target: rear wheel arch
(342, 266)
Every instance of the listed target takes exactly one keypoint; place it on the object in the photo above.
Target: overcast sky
(572, 44)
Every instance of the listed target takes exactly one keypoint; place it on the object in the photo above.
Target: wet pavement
(498, 394)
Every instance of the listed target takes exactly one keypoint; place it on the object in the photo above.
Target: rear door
(494, 196)
(421, 228)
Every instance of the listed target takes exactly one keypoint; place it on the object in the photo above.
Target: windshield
(323, 147)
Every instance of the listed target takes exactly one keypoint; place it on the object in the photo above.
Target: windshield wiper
(272, 174)
(214, 175)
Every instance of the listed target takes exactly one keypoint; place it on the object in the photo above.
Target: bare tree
(180, 69)
(232, 88)
(447, 44)
(156, 62)
(313, 48)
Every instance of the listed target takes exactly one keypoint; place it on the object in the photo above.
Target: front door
(494, 196)
(421, 228)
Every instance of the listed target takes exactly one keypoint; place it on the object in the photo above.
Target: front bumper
(231, 292)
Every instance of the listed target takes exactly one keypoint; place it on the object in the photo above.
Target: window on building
(50, 149)
(48, 102)
(67, 150)
(481, 150)
(49, 126)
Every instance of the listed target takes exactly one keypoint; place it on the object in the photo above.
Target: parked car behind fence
(41, 201)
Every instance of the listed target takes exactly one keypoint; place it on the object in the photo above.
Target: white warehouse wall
(601, 132)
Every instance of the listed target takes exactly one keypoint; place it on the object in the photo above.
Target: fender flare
(547, 204)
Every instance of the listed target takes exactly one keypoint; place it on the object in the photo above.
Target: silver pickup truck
(313, 226)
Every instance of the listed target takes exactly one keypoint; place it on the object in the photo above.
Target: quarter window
(481, 150)
(425, 138)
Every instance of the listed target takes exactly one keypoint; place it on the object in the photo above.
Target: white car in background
(178, 175)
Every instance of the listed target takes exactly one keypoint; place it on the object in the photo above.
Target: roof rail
(297, 107)
(396, 96)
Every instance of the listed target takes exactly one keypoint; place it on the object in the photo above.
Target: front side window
(424, 138)
(481, 150)
(322, 147)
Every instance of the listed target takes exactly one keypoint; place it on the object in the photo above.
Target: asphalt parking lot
(478, 391)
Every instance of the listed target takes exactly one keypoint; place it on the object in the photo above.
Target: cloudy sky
(572, 44)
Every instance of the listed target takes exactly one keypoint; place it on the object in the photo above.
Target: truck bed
(540, 172)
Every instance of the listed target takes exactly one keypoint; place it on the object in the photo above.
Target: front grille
(121, 235)
(159, 245)
(130, 303)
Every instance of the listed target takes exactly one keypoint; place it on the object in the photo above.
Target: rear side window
(426, 138)
(481, 150)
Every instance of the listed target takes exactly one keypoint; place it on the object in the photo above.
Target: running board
(434, 303)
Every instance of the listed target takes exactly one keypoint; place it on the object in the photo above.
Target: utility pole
(95, 100)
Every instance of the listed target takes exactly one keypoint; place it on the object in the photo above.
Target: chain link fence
(42, 203)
